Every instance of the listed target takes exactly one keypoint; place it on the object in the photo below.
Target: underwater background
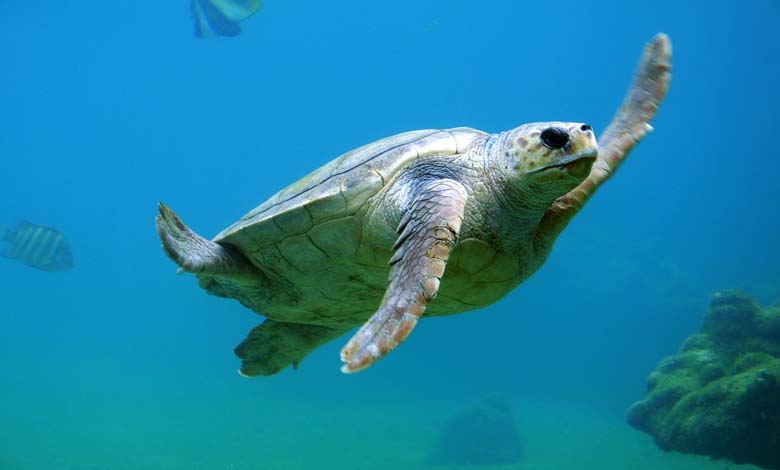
(108, 107)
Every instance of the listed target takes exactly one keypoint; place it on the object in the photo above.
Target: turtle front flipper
(426, 235)
(632, 120)
(274, 345)
(629, 125)
(194, 253)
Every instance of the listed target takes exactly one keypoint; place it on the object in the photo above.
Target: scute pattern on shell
(336, 190)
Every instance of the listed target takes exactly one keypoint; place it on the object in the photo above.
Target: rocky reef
(720, 394)
(479, 436)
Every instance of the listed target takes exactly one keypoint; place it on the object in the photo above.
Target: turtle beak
(577, 165)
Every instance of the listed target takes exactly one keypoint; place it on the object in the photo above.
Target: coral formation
(720, 395)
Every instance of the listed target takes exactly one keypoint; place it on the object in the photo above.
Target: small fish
(38, 246)
(221, 17)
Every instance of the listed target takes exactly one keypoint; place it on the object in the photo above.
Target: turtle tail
(193, 253)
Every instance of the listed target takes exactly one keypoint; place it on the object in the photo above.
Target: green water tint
(287, 435)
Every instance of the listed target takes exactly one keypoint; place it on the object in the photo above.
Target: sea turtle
(366, 238)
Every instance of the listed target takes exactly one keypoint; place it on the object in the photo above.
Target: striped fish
(37, 246)
(221, 17)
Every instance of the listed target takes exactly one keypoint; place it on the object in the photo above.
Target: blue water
(108, 107)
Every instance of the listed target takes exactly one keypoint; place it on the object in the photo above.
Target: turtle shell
(338, 190)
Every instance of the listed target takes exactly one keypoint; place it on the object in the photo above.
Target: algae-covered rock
(720, 395)
(481, 435)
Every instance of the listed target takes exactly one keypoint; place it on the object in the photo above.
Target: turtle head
(551, 150)
(549, 158)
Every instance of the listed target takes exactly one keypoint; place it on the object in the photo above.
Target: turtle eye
(554, 138)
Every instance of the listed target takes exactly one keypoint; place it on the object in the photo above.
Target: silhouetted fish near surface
(37, 246)
(221, 17)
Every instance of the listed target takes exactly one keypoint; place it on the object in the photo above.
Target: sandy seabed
(288, 435)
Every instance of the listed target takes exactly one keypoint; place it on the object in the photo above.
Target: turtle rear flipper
(194, 253)
(274, 345)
